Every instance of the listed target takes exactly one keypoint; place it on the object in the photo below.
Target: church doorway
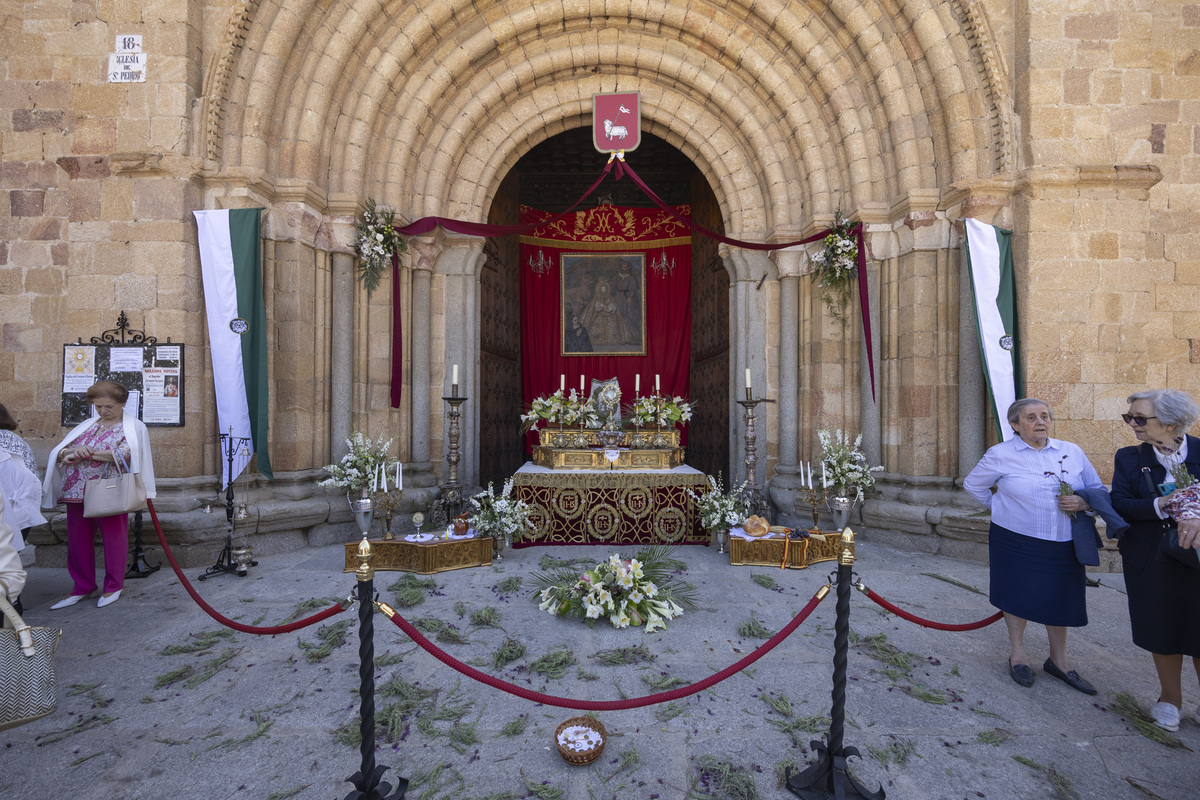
(551, 177)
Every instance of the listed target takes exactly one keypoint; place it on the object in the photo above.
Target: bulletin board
(152, 372)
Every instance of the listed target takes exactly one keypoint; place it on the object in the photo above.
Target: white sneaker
(1165, 716)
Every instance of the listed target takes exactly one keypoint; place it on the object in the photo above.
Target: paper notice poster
(79, 368)
(168, 352)
(125, 359)
(161, 401)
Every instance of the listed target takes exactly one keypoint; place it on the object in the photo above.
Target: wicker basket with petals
(581, 757)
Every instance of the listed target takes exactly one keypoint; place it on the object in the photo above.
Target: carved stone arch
(990, 63)
(220, 76)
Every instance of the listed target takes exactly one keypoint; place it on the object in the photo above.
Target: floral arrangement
(629, 592)
(499, 516)
(835, 265)
(361, 467)
(721, 510)
(562, 410)
(376, 241)
(661, 411)
(843, 465)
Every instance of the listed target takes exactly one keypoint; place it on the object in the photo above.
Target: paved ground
(265, 722)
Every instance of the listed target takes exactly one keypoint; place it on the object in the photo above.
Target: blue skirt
(1036, 579)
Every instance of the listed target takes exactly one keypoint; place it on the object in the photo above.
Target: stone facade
(1078, 125)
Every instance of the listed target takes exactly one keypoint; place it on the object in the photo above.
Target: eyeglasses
(1131, 419)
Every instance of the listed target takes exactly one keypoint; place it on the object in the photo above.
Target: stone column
(786, 480)
(427, 249)
(748, 310)
(459, 263)
(971, 399)
(341, 376)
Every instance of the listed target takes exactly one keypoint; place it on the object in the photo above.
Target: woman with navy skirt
(1035, 575)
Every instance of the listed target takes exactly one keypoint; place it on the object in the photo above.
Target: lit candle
(747, 377)
(399, 478)
(656, 385)
(562, 382)
(637, 384)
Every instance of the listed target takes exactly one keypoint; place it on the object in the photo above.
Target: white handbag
(121, 494)
(28, 685)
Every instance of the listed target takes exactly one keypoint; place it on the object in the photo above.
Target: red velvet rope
(237, 626)
(605, 705)
(941, 626)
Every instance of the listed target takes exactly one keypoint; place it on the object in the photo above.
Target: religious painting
(603, 304)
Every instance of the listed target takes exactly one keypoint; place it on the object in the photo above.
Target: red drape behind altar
(600, 231)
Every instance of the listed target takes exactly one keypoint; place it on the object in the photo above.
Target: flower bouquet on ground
(499, 516)
(835, 265)
(376, 241)
(843, 465)
(361, 467)
(629, 592)
(720, 510)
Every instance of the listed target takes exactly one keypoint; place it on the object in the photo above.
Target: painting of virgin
(603, 304)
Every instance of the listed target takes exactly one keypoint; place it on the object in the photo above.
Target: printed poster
(160, 403)
(79, 368)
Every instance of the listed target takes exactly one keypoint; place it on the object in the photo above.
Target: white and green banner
(993, 285)
(231, 264)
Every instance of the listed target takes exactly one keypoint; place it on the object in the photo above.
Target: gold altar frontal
(575, 448)
(611, 507)
(426, 558)
(770, 552)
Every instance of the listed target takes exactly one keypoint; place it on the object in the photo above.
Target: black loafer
(1071, 678)
(1021, 673)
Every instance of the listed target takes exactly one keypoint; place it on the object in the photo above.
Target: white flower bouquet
(835, 265)
(362, 466)
(562, 410)
(629, 592)
(843, 465)
(499, 516)
(376, 241)
(720, 510)
(661, 411)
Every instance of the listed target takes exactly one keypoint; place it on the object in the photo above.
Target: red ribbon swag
(617, 163)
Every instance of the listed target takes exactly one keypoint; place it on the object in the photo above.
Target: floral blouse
(76, 475)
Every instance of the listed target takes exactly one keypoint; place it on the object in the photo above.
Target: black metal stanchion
(367, 783)
(831, 774)
(139, 567)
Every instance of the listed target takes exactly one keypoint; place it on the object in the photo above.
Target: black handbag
(1168, 545)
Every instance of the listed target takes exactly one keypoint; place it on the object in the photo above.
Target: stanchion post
(367, 783)
(831, 776)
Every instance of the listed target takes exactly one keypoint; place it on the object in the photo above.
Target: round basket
(581, 758)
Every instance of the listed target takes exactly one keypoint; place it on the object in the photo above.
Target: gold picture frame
(602, 302)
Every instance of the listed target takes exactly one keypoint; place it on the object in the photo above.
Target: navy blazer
(1133, 500)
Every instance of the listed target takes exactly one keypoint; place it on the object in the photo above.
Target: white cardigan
(136, 436)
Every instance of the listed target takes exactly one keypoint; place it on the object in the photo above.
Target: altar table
(615, 507)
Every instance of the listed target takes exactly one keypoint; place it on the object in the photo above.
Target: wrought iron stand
(758, 501)
(452, 501)
(831, 776)
(231, 559)
(138, 553)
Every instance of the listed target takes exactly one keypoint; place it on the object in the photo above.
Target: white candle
(824, 477)
(454, 375)
(637, 384)
(562, 382)
(656, 385)
(399, 478)
(581, 384)
(383, 477)
(747, 377)
(375, 480)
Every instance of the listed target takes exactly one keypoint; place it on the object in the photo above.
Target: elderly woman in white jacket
(92, 450)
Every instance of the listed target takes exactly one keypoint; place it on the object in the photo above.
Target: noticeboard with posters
(151, 371)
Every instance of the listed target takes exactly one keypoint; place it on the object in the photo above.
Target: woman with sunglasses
(1163, 594)
(1035, 573)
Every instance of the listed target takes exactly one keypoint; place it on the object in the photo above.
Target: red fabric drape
(397, 336)
(668, 316)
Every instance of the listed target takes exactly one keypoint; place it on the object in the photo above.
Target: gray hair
(1014, 411)
(1171, 406)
